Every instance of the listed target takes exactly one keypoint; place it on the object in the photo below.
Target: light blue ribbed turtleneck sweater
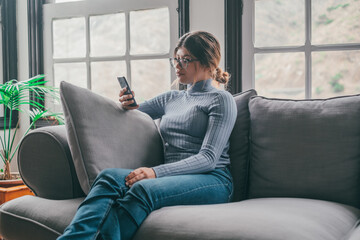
(195, 126)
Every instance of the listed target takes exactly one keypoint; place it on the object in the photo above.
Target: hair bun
(221, 76)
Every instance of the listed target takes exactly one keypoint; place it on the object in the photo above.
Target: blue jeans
(114, 211)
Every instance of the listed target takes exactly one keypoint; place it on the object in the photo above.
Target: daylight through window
(89, 44)
(302, 48)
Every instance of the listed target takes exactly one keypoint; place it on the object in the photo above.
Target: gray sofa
(295, 165)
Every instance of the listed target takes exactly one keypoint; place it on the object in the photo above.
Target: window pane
(150, 31)
(335, 73)
(69, 38)
(335, 21)
(280, 75)
(279, 23)
(150, 78)
(74, 73)
(103, 78)
(108, 35)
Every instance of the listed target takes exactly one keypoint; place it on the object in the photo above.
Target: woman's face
(194, 71)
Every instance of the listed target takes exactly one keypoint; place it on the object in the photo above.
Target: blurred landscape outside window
(293, 59)
(90, 51)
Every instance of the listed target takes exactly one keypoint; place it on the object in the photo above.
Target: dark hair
(206, 48)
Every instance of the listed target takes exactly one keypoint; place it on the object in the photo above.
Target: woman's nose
(178, 65)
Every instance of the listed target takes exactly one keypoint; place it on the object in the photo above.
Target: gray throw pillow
(101, 134)
(239, 145)
(306, 148)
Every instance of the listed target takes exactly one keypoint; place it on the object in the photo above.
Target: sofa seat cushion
(255, 219)
(31, 217)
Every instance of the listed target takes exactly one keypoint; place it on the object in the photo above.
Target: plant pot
(10, 193)
(14, 188)
(15, 181)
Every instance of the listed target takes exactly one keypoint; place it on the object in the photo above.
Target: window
(89, 44)
(301, 48)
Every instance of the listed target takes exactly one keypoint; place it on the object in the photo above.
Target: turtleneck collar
(200, 86)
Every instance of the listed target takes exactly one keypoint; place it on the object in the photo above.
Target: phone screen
(124, 84)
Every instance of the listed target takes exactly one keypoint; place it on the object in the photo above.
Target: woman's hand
(124, 99)
(139, 174)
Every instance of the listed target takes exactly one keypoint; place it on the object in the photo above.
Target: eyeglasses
(184, 62)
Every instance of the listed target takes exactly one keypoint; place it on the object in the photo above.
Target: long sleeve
(221, 119)
(155, 107)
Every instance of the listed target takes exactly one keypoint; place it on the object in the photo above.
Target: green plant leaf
(13, 95)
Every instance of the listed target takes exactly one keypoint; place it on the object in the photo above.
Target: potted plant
(13, 95)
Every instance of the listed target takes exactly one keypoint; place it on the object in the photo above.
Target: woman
(195, 125)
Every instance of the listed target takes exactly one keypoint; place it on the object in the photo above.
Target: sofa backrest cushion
(239, 145)
(306, 148)
(101, 134)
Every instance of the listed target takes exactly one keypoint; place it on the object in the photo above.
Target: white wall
(23, 64)
(208, 15)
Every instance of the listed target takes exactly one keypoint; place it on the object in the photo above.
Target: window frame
(1, 56)
(35, 48)
(35, 41)
(249, 50)
(184, 16)
(36, 44)
(184, 23)
(35, 37)
(9, 50)
(233, 43)
(108, 7)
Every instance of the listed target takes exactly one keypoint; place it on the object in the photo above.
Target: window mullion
(252, 45)
(111, 58)
(336, 47)
(308, 49)
(150, 56)
(247, 75)
(279, 49)
(87, 39)
(128, 46)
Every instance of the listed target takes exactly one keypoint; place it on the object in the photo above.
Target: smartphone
(124, 84)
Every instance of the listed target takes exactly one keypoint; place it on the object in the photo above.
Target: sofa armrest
(46, 165)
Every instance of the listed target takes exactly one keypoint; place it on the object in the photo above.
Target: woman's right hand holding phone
(125, 101)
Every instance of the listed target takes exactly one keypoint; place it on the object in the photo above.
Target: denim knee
(114, 173)
(142, 191)
(112, 176)
(106, 174)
